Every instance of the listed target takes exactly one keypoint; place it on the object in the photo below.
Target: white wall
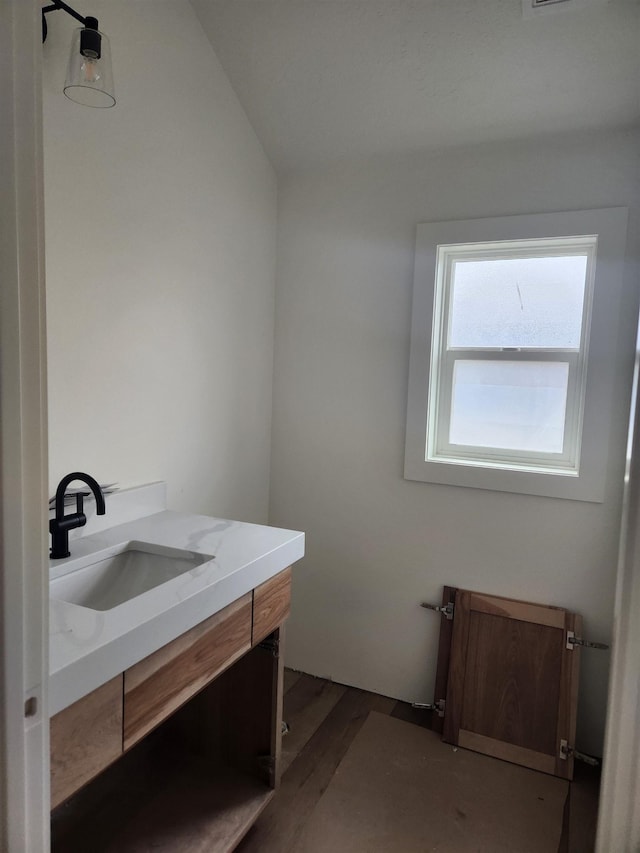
(160, 232)
(378, 545)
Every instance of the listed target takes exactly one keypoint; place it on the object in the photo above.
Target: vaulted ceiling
(327, 79)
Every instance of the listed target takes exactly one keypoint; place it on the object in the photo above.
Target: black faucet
(60, 526)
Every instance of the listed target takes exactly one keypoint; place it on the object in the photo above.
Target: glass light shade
(89, 77)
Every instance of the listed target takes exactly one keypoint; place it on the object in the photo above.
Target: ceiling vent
(533, 8)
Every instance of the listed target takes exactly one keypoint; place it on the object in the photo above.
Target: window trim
(587, 482)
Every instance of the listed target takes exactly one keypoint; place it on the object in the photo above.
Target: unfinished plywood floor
(399, 787)
(325, 719)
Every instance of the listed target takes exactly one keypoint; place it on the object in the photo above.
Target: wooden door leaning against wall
(510, 675)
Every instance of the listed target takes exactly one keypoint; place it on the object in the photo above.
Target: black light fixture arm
(58, 4)
(88, 22)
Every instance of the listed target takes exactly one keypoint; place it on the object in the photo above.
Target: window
(505, 312)
(508, 352)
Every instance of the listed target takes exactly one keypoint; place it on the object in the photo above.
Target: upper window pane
(518, 302)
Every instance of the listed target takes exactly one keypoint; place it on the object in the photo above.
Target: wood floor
(324, 719)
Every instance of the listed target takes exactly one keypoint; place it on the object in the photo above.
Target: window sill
(498, 477)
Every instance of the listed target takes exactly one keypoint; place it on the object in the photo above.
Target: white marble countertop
(88, 647)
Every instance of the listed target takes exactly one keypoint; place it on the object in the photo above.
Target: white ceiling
(327, 79)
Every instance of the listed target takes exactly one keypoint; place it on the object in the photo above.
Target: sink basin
(126, 574)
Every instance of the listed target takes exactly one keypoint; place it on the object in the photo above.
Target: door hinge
(271, 644)
(573, 641)
(438, 706)
(567, 751)
(446, 610)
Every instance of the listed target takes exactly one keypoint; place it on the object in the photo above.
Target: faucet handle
(80, 496)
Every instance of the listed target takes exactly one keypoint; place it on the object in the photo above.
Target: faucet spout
(60, 526)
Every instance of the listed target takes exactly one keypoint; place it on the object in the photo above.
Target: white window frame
(444, 357)
(578, 473)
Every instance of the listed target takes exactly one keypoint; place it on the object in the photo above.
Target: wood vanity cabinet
(190, 736)
(85, 738)
(163, 682)
(271, 604)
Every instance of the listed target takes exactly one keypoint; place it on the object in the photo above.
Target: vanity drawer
(271, 605)
(85, 738)
(162, 682)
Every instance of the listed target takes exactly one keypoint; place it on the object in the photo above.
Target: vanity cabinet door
(271, 605)
(512, 687)
(162, 682)
(85, 738)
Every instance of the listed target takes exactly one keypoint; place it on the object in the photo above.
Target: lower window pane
(511, 405)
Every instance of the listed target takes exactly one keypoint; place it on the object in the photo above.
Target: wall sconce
(89, 75)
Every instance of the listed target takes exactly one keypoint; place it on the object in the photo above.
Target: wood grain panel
(251, 697)
(540, 614)
(457, 667)
(277, 701)
(271, 605)
(508, 752)
(512, 683)
(568, 707)
(158, 685)
(444, 656)
(85, 738)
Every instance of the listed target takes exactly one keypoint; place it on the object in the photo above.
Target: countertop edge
(78, 677)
